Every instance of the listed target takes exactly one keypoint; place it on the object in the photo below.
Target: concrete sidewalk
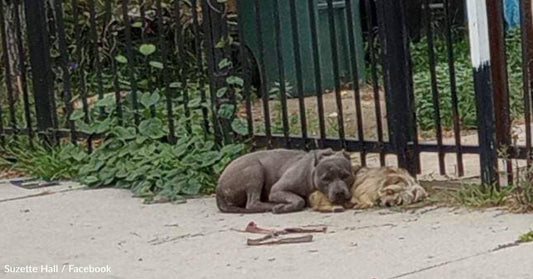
(107, 227)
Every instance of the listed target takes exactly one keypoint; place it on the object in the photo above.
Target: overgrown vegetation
(517, 197)
(142, 158)
(43, 160)
(464, 81)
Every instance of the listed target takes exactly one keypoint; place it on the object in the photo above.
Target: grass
(42, 161)
(472, 195)
(526, 237)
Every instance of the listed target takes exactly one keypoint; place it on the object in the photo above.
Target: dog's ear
(391, 189)
(344, 154)
(320, 154)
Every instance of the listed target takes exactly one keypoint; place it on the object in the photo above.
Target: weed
(44, 161)
(473, 195)
(526, 237)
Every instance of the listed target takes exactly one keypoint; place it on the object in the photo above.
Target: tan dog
(385, 186)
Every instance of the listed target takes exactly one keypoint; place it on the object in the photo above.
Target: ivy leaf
(107, 101)
(221, 92)
(192, 187)
(234, 80)
(102, 126)
(152, 128)
(225, 63)
(121, 59)
(209, 158)
(90, 180)
(147, 49)
(194, 103)
(125, 133)
(240, 126)
(156, 64)
(232, 149)
(149, 99)
(77, 115)
(137, 24)
(226, 111)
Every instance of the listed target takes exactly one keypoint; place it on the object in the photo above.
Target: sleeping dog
(385, 186)
(281, 180)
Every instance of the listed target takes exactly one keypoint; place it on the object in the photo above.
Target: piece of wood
(253, 228)
(288, 240)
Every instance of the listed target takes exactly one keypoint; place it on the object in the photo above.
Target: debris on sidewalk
(32, 183)
(272, 236)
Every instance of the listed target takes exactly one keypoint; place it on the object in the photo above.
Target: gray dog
(281, 180)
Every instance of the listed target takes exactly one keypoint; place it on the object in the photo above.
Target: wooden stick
(287, 240)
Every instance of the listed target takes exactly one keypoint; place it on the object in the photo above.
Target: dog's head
(333, 175)
(401, 188)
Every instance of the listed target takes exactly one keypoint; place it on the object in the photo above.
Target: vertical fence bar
(168, 93)
(113, 63)
(81, 71)
(336, 74)
(350, 21)
(396, 66)
(23, 72)
(129, 55)
(298, 68)
(263, 86)
(453, 88)
(39, 50)
(4, 53)
(199, 69)
(150, 73)
(317, 69)
(63, 61)
(281, 73)
(181, 55)
(96, 52)
(7, 72)
(526, 36)
(499, 80)
(434, 87)
(375, 81)
(246, 71)
(480, 53)
(213, 22)
(49, 21)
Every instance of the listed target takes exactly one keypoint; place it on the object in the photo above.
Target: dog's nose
(339, 196)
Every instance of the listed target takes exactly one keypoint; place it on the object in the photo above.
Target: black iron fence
(277, 73)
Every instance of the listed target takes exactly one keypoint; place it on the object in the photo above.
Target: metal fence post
(39, 52)
(397, 81)
(215, 30)
(480, 53)
(499, 80)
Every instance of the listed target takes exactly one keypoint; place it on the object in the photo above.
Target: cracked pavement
(69, 224)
